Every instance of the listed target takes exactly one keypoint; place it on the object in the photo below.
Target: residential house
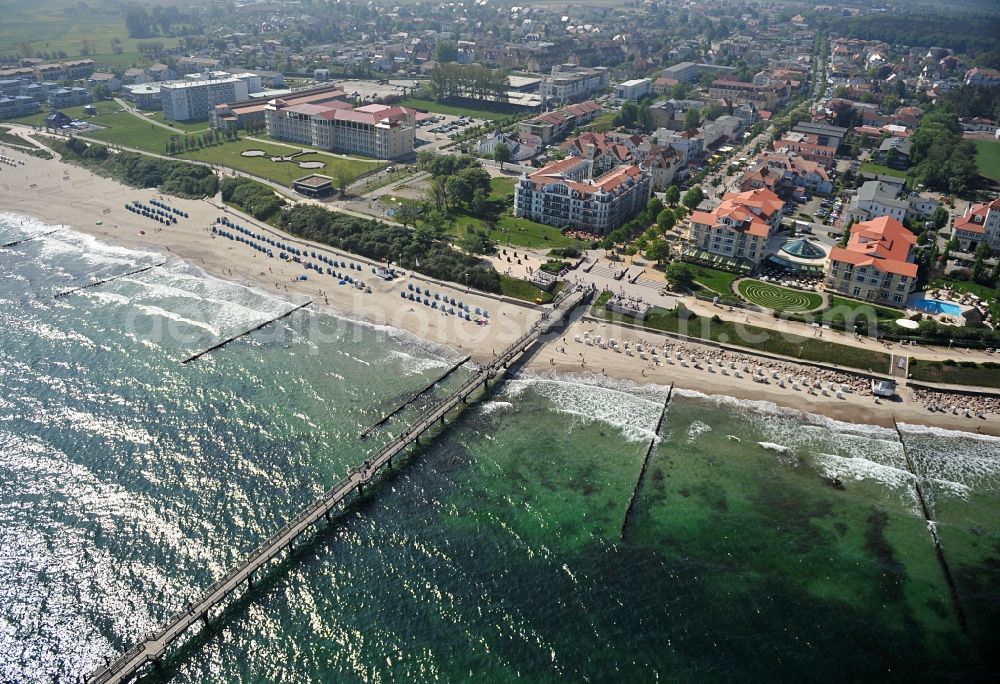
(519, 149)
(663, 163)
(979, 224)
(895, 153)
(103, 78)
(605, 150)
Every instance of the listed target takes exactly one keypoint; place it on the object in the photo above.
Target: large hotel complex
(565, 195)
(378, 131)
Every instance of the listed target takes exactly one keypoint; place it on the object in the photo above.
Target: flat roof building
(313, 185)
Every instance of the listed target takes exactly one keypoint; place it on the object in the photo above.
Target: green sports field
(988, 158)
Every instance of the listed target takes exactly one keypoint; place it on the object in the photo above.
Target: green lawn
(714, 280)
(502, 189)
(842, 309)
(988, 158)
(963, 373)
(778, 298)
(439, 108)
(510, 230)
(522, 289)
(869, 167)
(186, 126)
(759, 339)
(104, 107)
(128, 130)
(228, 154)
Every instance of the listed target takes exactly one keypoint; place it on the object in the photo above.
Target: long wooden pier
(388, 416)
(155, 645)
(107, 280)
(226, 341)
(15, 243)
(645, 461)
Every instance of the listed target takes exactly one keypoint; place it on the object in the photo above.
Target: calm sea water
(129, 482)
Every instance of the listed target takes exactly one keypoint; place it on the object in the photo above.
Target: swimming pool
(936, 306)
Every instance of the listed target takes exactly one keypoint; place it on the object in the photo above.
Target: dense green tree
(679, 275)
(693, 197)
(501, 154)
(672, 195)
(666, 220)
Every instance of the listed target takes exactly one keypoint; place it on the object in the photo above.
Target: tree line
(417, 250)
(172, 177)
(255, 198)
(453, 80)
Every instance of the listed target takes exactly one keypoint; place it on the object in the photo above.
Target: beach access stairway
(154, 647)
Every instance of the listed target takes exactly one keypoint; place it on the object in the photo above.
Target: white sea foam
(696, 429)
(415, 365)
(495, 406)
(157, 311)
(771, 446)
(634, 415)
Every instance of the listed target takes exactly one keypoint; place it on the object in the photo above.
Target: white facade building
(564, 195)
(193, 100)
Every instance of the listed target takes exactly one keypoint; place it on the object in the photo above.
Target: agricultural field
(52, 25)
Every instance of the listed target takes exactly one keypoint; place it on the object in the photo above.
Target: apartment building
(69, 97)
(783, 173)
(569, 83)
(634, 90)
(564, 194)
(19, 105)
(884, 197)
(554, 126)
(877, 263)
(980, 223)
(377, 131)
(738, 92)
(690, 72)
(738, 228)
(192, 100)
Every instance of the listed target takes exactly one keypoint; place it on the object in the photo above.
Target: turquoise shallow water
(129, 482)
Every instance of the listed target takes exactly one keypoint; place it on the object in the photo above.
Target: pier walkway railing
(153, 648)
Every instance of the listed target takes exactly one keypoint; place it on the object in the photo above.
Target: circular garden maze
(778, 298)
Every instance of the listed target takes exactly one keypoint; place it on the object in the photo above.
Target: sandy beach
(60, 193)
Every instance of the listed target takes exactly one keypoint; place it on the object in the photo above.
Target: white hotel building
(564, 195)
(376, 131)
(192, 100)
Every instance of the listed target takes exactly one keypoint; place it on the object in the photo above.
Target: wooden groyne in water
(645, 462)
(245, 333)
(15, 243)
(931, 526)
(107, 280)
(364, 434)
